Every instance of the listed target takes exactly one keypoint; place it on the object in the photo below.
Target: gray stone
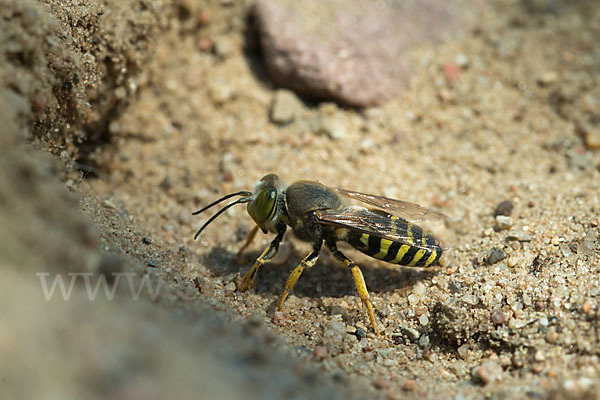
(411, 333)
(503, 222)
(519, 236)
(495, 255)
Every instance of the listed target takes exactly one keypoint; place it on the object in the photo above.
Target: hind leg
(359, 281)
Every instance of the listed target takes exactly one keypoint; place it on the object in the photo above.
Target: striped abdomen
(419, 249)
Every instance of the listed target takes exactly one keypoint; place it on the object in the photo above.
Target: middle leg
(308, 262)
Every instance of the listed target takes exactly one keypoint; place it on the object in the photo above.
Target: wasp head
(263, 207)
(262, 203)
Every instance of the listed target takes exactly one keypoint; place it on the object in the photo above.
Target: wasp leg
(249, 239)
(359, 281)
(308, 262)
(269, 253)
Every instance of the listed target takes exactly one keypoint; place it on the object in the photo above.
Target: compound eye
(262, 209)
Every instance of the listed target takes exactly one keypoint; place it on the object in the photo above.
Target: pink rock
(350, 51)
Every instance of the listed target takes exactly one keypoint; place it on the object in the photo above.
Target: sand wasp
(319, 214)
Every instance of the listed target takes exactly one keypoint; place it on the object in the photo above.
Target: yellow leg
(266, 255)
(359, 281)
(308, 262)
(249, 239)
(363, 293)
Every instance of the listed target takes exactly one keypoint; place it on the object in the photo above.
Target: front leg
(269, 253)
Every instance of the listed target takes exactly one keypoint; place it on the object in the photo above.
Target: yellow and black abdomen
(418, 248)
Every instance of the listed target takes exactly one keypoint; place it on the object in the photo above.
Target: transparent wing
(404, 209)
(374, 223)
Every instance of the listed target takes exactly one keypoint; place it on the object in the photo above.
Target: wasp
(322, 215)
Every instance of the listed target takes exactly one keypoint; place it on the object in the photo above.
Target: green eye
(262, 209)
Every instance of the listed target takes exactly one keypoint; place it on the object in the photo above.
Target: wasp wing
(371, 222)
(404, 209)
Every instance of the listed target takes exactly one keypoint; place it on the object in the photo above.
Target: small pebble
(203, 19)
(419, 289)
(320, 352)
(424, 341)
(334, 333)
(471, 299)
(463, 351)
(389, 363)
(332, 126)
(504, 208)
(410, 386)
(516, 323)
(452, 71)
(284, 107)
(539, 356)
(360, 333)
(413, 299)
(462, 60)
(420, 310)
(561, 291)
(589, 243)
(459, 369)
(548, 78)
(446, 96)
(505, 361)
(109, 204)
(518, 235)
(222, 47)
(382, 383)
(499, 318)
(551, 336)
(488, 372)
(279, 318)
(455, 287)
(411, 333)
(495, 255)
(503, 222)
(220, 93)
(573, 247)
(555, 240)
(205, 45)
(231, 287)
(424, 319)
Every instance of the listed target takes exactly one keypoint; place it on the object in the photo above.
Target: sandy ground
(172, 112)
